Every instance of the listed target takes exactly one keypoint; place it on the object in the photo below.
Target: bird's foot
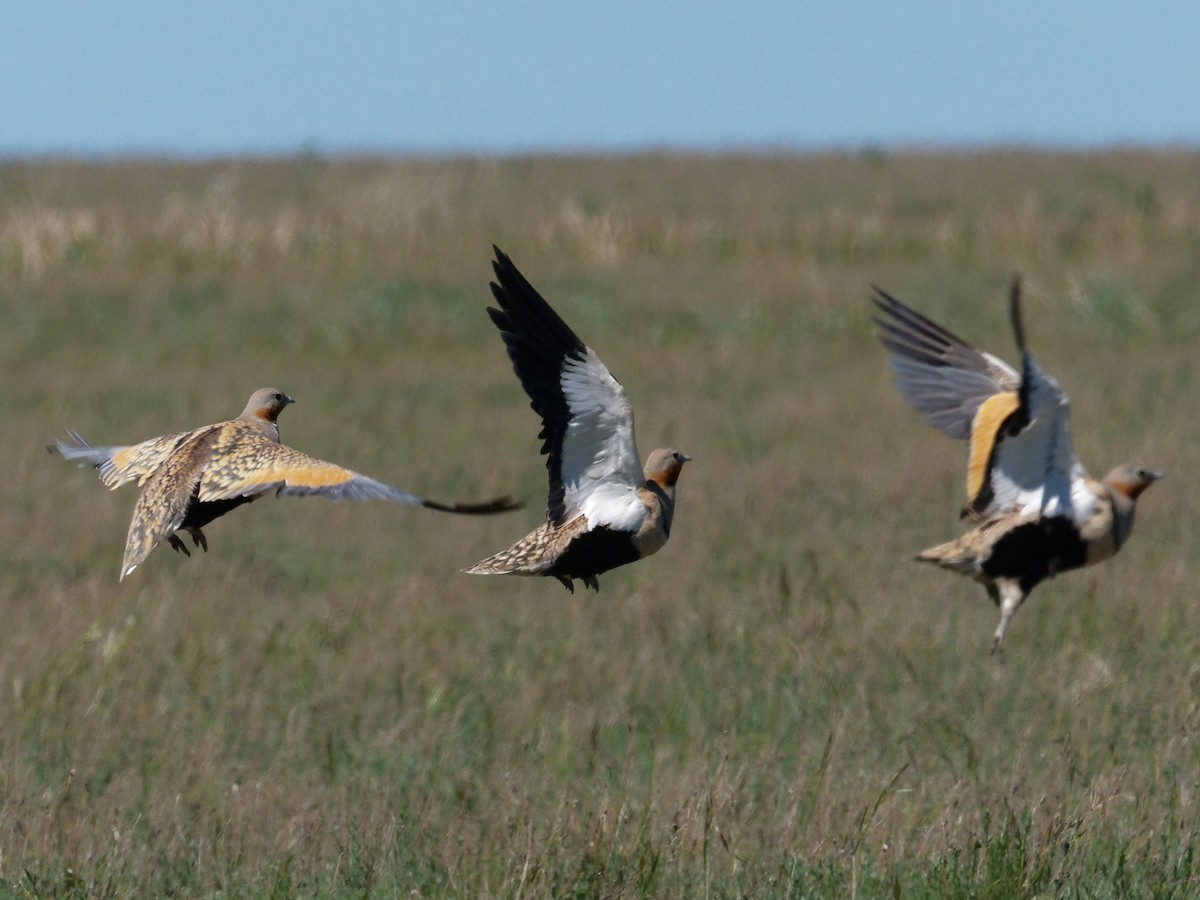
(198, 539)
(567, 582)
(178, 545)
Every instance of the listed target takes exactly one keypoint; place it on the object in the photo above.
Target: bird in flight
(1035, 511)
(189, 478)
(604, 509)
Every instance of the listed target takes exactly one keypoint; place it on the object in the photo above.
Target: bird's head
(267, 403)
(1131, 479)
(664, 466)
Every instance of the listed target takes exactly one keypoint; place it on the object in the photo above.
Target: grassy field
(778, 704)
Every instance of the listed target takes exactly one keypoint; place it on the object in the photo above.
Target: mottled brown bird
(1036, 511)
(189, 478)
(604, 510)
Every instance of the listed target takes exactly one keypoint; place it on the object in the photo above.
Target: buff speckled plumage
(189, 478)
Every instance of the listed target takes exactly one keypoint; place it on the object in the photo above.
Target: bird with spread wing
(190, 478)
(1035, 510)
(604, 509)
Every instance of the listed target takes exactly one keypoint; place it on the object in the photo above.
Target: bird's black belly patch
(594, 552)
(1036, 551)
(200, 514)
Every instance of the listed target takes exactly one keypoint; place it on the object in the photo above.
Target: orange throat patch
(667, 478)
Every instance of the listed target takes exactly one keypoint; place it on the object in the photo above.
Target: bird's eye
(278, 398)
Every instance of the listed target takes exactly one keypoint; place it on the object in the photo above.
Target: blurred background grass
(779, 702)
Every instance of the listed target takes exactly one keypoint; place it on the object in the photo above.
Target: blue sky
(267, 76)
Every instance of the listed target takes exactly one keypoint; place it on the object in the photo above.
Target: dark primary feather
(364, 488)
(538, 342)
(1014, 311)
(941, 375)
(912, 335)
(500, 504)
(1021, 417)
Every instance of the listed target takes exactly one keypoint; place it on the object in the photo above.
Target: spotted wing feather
(245, 463)
(118, 466)
(163, 501)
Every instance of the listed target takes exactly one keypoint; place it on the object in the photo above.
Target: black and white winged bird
(604, 509)
(1035, 510)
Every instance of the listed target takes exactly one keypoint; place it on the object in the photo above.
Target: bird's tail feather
(81, 451)
(958, 556)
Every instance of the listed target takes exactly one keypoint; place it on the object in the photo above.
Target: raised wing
(1034, 468)
(1018, 426)
(587, 422)
(941, 376)
(244, 463)
(120, 465)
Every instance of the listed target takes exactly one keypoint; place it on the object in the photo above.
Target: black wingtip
(1021, 418)
(509, 279)
(883, 300)
(889, 306)
(1014, 310)
(487, 508)
(881, 294)
(501, 262)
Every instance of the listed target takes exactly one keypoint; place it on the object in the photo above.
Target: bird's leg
(198, 539)
(567, 582)
(1011, 597)
(178, 545)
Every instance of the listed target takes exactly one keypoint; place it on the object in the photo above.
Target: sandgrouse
(189, 478)
(604, 510)
(1035, 511)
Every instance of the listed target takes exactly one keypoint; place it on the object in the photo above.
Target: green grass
(779, 703)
